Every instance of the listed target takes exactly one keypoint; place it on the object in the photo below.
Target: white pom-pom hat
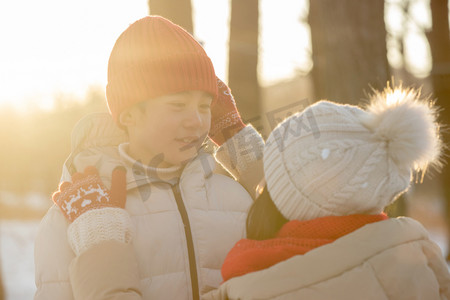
(334, 159)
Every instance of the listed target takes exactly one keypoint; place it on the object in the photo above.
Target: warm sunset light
(395, 97)
(55, 47)
(154, 149)
(52, 46)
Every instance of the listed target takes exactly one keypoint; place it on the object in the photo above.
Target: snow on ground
(17, 260)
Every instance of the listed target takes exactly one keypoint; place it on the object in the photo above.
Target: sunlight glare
(284, 40)
(395, 96)
(58, 46)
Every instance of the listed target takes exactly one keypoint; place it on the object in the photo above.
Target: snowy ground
(17, 260)
(16, 248)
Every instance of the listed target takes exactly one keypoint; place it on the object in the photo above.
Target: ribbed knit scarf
(294, 238)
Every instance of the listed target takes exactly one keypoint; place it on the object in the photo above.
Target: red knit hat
(155, 57)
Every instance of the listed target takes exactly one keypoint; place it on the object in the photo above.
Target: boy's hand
(87, 191)
(225, 118)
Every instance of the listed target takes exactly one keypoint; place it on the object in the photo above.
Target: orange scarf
(294, 238)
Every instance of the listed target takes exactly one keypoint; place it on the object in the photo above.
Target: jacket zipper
(190, 242)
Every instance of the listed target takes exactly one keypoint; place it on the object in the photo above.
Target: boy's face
(168, 130)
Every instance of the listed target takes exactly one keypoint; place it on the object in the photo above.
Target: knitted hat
(339, 160)
(155, 57)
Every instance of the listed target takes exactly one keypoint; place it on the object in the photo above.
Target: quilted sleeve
(108, 270)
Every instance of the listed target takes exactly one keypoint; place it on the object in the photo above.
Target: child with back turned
(319, 231)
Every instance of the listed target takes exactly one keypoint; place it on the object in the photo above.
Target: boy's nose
(193, 118)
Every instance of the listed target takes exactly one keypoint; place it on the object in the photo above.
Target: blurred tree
(348, 48)
(36, 143)
(178, 11)
(439, 40)
(243, 58)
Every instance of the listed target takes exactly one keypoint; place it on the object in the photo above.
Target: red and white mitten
(87, 191)
(96, 214)
(225, 118)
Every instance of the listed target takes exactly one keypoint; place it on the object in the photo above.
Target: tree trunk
(348, 48)
(243, 58)
(178, 11)
(439, 40)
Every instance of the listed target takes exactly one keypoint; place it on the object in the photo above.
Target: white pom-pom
(408, 124)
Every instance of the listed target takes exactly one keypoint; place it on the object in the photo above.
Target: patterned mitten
(96, 214)
(225, 118)
(87, 191)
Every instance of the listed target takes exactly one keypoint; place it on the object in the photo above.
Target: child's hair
(264, 219)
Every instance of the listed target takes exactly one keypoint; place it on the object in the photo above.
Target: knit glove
(96, 214)
(87, 191)
(225, 118)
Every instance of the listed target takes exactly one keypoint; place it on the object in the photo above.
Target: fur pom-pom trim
(409, 126)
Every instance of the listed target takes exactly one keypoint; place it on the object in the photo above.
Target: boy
(149, 219)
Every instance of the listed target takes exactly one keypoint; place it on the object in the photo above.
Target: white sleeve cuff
(99, 225)
(241, 151)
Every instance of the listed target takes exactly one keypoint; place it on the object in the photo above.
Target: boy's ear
(127, 118)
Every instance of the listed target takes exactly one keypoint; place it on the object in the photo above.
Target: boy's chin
(181, 158)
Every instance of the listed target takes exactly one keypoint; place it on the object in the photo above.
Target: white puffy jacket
(183, 228)
(391, 259)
